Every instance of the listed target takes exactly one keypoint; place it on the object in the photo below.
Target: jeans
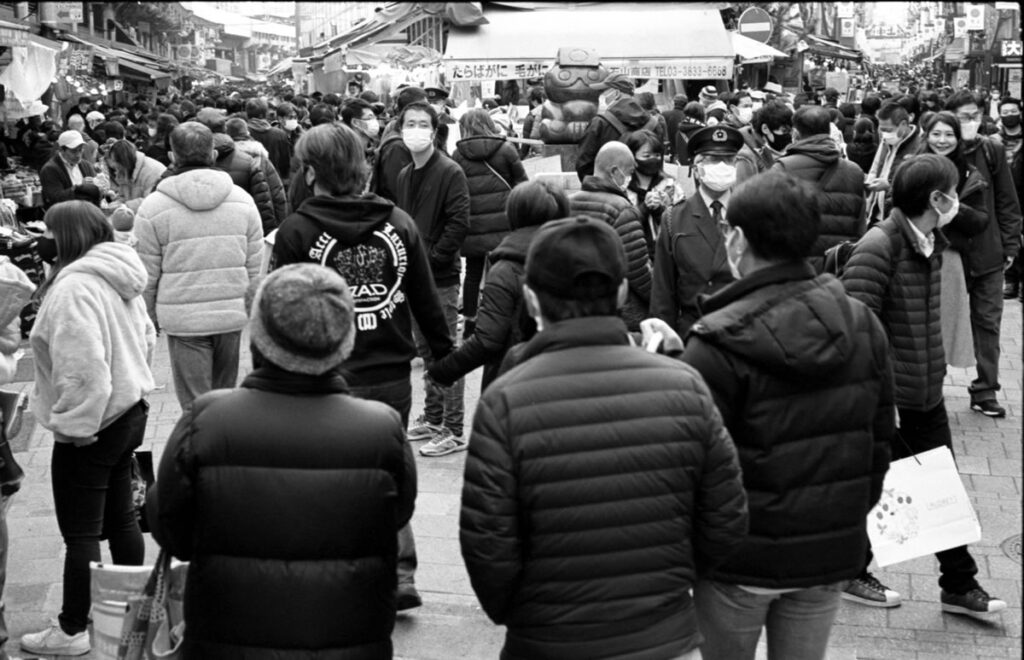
(471, 286)
(92, 493)
(201, 364)
(921, 431)
(986, 300)
(797, 623)
(443, 407)
(398, 395)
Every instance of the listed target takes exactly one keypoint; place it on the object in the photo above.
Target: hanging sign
(683, 68)
(10, 37)
(975, 17)
(69, 12)
(959, 26)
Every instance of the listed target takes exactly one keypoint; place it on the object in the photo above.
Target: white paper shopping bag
(924, 509)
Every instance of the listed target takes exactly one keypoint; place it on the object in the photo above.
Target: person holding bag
(93, 344)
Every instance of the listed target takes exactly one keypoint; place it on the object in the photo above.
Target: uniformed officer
(690, 252)
(438, 97)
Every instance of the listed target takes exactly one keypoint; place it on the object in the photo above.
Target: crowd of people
(689, 402)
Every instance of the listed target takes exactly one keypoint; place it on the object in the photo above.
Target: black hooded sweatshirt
(375, 246)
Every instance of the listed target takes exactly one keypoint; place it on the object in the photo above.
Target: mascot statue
(571, 104)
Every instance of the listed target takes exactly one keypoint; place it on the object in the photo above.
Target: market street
(451, 624)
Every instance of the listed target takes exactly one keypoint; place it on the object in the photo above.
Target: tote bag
(924, 508)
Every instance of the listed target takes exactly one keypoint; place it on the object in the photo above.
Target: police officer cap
(715, 141)
(435, 94)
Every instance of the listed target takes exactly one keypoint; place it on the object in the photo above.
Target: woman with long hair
(942, 136)
(133, 174)
(493, 169)
(93, 342)
(160, 128)
(861, 149)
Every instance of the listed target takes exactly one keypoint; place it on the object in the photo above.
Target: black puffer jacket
(599, 482)
(1000, 239)
(603, 201)
(286, 495)
(972, 218)
(492, 169)
(888, 272)
(802, 376)
(501, 321)
(816, 159)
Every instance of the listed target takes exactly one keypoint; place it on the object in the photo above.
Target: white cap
(70, 140)
(95, 115)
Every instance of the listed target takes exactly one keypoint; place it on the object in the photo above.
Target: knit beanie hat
(302, 319)
(123, 219)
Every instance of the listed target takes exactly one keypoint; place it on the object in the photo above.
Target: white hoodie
(93, 344)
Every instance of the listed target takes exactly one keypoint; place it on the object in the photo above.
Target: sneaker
(54, 641)
(423, 430)
(867, 590)
(976, 603)
(444, 444)
(989, 408)
(1011, 290)
(407, 597)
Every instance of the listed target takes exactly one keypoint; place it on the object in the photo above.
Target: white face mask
(417, 139)
(371, 127)
(152, 131)
(291, 124)
(969, 130)
(717, 176)
(745, 114)
(891, 138)
(734, 266)
(947, 217)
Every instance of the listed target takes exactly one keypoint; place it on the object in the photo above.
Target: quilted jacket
(492, 169)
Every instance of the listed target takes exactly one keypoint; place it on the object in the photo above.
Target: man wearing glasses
(62, 175)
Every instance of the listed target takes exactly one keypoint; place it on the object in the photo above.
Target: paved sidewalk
(451, 624)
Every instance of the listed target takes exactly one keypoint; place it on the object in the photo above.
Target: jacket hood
(480, 147)
(818, 147)
(595, 183)
(253, 148)
(199, 189)
(223, 144)
(349, 217)
(515, 245)
(259, 125)
(797, 330)
(118, 264)
(629, 112)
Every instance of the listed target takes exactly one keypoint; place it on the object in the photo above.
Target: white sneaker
(444, 444)
(54, 641)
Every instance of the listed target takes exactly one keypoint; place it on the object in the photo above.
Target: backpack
(837, 255)
(651, 124)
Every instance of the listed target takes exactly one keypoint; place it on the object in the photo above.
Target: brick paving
(451, 624)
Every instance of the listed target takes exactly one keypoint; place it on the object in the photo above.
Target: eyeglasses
(974, 117)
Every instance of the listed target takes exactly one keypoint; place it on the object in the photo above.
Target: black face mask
(648, 166)
(780, 142)
(1010, 121)
(47, 249)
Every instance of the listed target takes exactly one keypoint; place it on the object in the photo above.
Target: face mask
(718, 176)
(624, 186)
(152, 131)
(371, 127)
(891, 138)
(47, 249)
(291, 124)
(1010, 121)
(947, 217)
(745, 114)
(734, 266)
(780, 142)
(417, 139)
(969, 130)
(648, 166)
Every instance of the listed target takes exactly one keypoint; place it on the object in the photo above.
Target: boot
(1011, 290)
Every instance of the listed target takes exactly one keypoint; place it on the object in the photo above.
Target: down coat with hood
(247, 174)
(888, 272)
(286, 495)
(375, 246)
(600, 482)
(277, 142)
(93, 343)
(802, 376)
(493, 169)
(840, 186)
(278, 198)
(202, 244)
(600, 131)
(143, 180)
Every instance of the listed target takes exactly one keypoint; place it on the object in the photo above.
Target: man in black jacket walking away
(433, 190)
(600, 481)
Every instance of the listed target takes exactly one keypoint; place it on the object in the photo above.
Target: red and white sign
(756, 24)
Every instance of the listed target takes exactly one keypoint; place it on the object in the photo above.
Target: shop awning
(281, 67)
(833, 49)
(131, 61)
(13, 34)
(670, 40)
(955, 51)
(752, 52)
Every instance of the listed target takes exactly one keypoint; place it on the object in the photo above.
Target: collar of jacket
(595, 183)
(785, 272)
(173, 170)
(572, 333)
(269, 378)
(903, 222)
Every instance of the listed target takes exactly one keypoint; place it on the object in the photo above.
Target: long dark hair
(76, 227)
(957, 155)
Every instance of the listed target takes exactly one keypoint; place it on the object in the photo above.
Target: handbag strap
(507, 184)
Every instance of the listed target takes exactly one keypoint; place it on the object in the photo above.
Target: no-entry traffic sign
(756, 24)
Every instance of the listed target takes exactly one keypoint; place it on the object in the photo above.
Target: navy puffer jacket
(888, 272)
(599, 482)
(286, 495)
(802, 376)
(493, 169)
(841, 184)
